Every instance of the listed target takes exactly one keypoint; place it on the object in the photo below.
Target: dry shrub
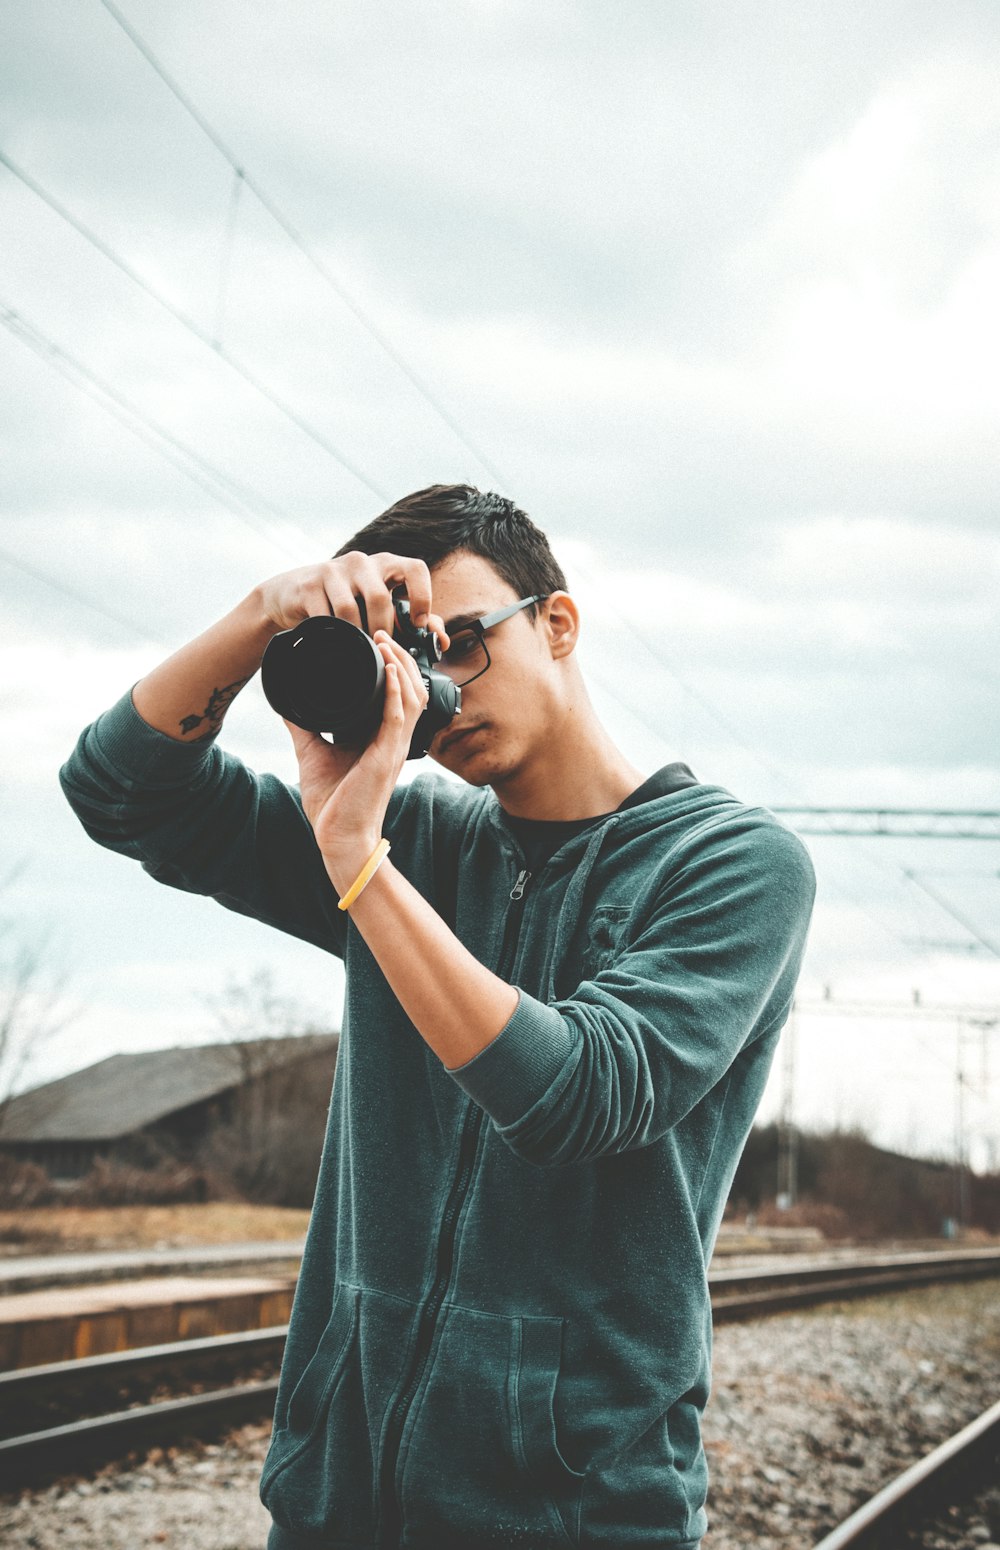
(116, 1184)
(830, 1220)
(23, 1185)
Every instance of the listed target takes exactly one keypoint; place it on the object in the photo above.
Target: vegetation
(69, 1228)
(850, 1188)
(33, 1008)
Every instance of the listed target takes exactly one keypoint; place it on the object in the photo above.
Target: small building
(135, 1108)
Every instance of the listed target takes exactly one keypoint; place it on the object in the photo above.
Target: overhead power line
(906, 823)
(231, 493)
(931, 823)
(907, 1010)
(295, 236)
(225, 259)
(243, 177)
(655, 653)
(949, 909)
(141, 630)
(240, 367)
(298, 240)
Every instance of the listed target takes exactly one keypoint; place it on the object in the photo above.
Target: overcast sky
(711, 290)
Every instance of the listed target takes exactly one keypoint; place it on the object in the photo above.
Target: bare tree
(270, 1142)
(33, 1008)
(252, 1008)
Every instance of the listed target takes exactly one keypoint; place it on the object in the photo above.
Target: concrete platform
(61, 1324)
(24, 1272)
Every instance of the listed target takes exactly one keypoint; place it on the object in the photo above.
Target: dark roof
(125, 1093)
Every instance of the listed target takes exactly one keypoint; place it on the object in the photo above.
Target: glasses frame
(489, 622)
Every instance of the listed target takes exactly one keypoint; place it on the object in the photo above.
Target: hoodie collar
(672, 777)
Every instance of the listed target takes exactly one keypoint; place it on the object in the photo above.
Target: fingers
(356, 591)
(436, 624)
(359, 588)
(392, 731)
(412, 687)
(356, 587)
(415, 577)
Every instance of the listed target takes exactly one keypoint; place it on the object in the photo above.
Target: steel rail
(85, 1442)
(966, 1261)
(961, 1463)
(23, 1386)
(818, 1285)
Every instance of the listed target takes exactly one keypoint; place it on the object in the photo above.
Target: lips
(451, 738)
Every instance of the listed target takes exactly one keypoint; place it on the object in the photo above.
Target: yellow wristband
(366, 874)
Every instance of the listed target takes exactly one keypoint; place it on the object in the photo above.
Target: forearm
(455, 1003)
(187, 695)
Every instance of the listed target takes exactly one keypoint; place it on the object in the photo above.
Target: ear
(561, 619)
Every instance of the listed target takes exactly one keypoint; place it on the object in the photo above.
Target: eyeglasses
(468, 655)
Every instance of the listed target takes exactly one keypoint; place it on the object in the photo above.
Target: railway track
(952, 1473)
(55, 1421)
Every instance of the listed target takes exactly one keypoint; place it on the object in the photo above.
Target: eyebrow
(461, 620)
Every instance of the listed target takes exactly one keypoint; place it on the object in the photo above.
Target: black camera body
(326, 675)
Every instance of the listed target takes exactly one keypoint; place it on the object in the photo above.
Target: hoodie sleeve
(711, 968)
(198, 819)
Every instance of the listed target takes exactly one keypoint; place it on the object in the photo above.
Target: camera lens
(326, 675)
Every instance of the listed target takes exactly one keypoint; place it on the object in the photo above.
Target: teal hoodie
(501, 1333)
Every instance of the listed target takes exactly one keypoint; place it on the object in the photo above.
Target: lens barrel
(326, 675)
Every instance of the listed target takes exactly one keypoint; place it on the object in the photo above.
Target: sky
(711, 292)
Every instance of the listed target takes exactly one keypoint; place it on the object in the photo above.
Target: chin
(477, 765)
(473, 771)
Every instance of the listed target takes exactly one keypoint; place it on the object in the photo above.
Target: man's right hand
(339, 585)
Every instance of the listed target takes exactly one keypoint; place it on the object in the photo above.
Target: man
(565, 985)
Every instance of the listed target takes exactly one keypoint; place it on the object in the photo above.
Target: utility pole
(961, 1170)
(788, 1136)
(983, 1026)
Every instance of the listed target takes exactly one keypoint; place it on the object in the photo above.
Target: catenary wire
(694, 694)
(949, 909)
(122, 264)
(261, 387)
(237, 497)
(723, 722)
(232, 361)
(243, 176)
(226, 255)
(48, 199)
(296, 237)
(141, 630)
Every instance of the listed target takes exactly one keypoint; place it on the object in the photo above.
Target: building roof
(125, 1093)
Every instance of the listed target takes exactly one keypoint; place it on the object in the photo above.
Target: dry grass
(52, 1229)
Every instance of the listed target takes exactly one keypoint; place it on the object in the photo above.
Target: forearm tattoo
(219, 702)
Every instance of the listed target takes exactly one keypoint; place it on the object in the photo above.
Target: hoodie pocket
(480, 1462)
(319, 1475)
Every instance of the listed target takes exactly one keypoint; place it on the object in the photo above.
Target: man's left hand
(345, 792)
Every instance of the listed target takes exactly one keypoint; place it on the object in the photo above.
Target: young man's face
(505, 712)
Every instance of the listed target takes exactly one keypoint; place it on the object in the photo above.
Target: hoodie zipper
(391, 1525)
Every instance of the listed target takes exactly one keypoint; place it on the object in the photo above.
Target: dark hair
(431, 524)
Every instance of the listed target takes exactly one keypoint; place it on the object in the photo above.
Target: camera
(326, 675)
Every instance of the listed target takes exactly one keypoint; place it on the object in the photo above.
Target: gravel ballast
(810, 1414)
